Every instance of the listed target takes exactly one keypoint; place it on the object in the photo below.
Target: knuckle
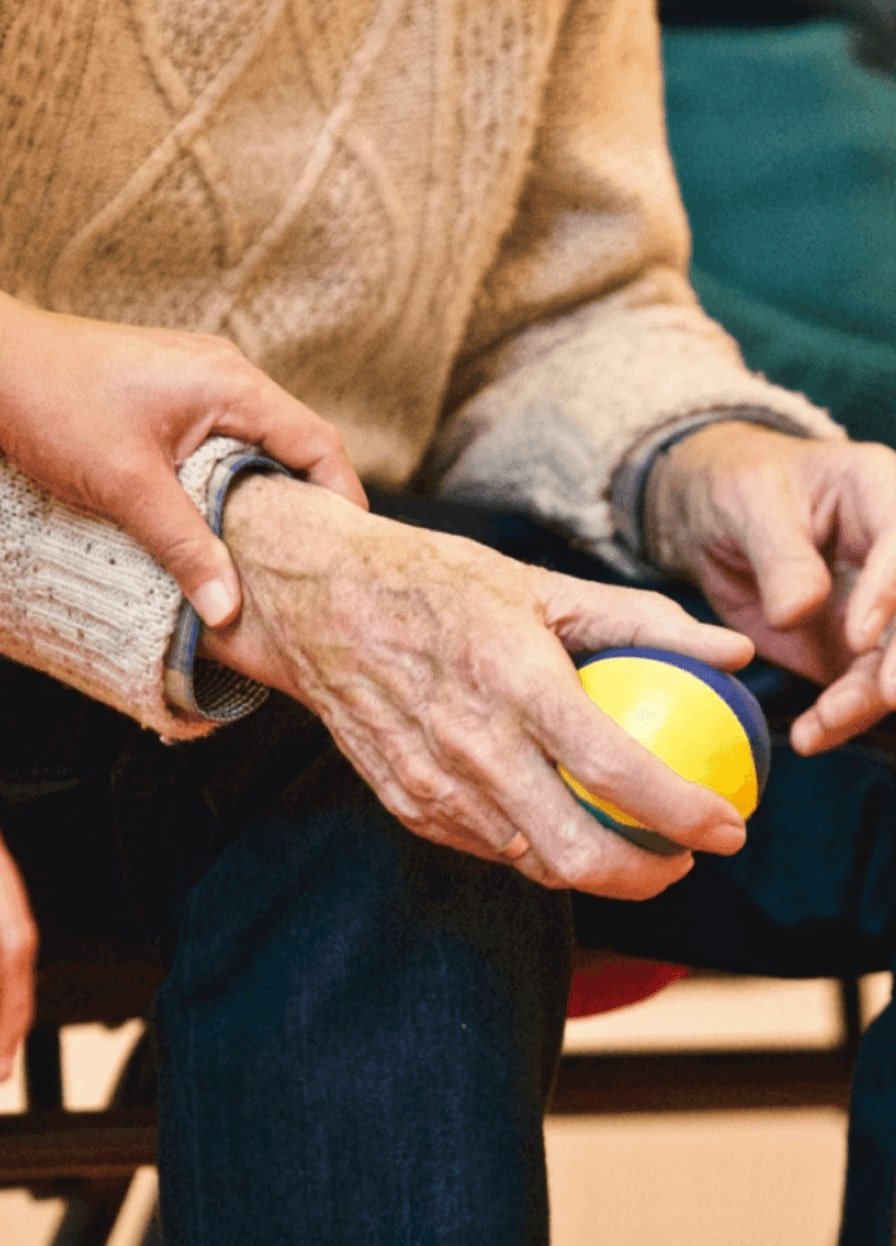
(245, 386)
(635, 879)
(659, 605)
(395, 800)
(725, 490)
(19, 946)
(220, 346)
(637, 887)
(549, 708)
(877, 457)
(690, 811)
(125, 481)
(451, 743)
(534, 685)
(421, 780)
(184, 552)
(549, 878)
(612, 774)
(574, 854)
(329, 437)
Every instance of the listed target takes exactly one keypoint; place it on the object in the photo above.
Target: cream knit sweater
(450, 226)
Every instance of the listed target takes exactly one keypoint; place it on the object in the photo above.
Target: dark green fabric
(786, 152)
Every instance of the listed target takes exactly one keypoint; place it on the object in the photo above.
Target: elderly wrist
(285, 537)
(679, 495)
(252, 503)
(669, 497)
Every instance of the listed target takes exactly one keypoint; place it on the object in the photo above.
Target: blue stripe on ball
(637, 835)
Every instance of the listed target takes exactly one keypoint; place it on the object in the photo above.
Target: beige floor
(751, 1179)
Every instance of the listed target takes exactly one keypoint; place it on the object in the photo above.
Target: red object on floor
(616, 982)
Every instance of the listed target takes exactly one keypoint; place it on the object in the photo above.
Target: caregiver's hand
(441, 669)
(101, 416)
(794, 543)
(18, 953)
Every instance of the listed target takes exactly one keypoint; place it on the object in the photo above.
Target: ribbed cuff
(193, 686)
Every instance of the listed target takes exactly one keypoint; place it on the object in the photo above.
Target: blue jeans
(358, 1032)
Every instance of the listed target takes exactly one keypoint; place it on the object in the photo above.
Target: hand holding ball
(705, 725)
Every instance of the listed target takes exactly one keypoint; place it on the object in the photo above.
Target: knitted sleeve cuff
(194, 687)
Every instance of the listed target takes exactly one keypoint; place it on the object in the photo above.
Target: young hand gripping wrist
(102, 416)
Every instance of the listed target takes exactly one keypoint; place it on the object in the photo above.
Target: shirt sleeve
(82, 601)
(586, 336)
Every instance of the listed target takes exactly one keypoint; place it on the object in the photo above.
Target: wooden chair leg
(92, 1209)
(850, 1016)
(43, 1069)
(93, 1203)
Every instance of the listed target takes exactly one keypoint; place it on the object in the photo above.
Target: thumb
(792, 576)
(165, 521)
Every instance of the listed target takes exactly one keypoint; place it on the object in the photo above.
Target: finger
(295, 435)
(792, 576)
(157, 512)
(597, 616)
(610, 763)
(570, 848)
(886, 677)
(849, 706)
(873, 600)
(511, 795)
(18, 951)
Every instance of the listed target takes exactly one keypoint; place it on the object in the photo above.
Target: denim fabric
(357, 1037)
(358, 1030)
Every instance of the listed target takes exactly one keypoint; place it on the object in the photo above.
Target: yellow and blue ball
(704, 724)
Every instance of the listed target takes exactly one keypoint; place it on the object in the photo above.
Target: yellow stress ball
(705, 725)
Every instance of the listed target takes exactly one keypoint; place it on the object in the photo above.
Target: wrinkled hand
(793, 542)
(101, 416)
(441, 669)
(18, 953)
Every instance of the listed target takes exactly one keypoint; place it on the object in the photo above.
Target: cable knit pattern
(428, 218)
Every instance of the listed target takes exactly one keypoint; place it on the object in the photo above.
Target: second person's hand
(102, 415)
(793, 541)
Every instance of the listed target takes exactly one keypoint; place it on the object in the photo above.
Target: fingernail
(727, 837)
(213, 602)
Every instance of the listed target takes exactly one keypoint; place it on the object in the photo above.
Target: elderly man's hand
(18, 953)
(441, 669)
(101, 416)
(794, 543)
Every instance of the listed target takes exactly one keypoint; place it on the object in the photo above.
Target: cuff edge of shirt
(197, 689)
(628, 488)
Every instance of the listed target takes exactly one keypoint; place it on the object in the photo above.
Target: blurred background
(756, 1177)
